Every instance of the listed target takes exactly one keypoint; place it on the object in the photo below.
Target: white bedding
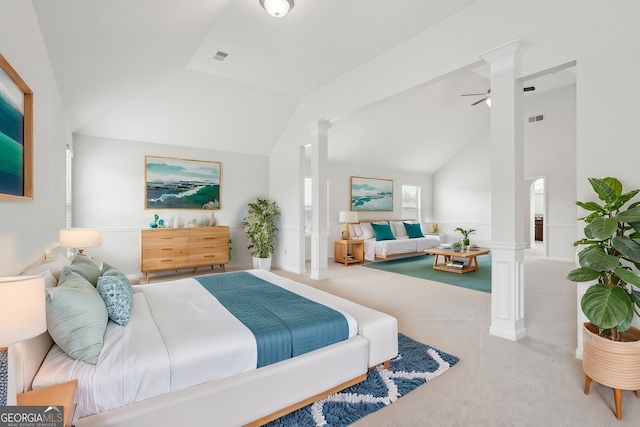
(401, 245)
(178, 336)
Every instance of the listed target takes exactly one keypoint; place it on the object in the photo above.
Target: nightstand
(349, 251)
(56, 395)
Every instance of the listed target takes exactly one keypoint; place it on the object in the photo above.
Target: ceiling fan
(487, 95)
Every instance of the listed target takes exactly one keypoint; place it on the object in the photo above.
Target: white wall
(462, 192)
(29, 227)
(550, 151)
(340, 197)
(109, 195)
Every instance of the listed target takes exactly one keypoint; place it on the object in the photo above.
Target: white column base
(507, 291)
(319, 262)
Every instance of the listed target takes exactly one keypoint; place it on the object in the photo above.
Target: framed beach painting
(371, 194)
(16, 135)
(181, 183)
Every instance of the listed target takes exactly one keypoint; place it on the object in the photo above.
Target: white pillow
(55, 263)
(367, 231)
(355, 231)
(397, 227)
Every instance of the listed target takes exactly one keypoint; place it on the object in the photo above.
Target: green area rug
(422, 267)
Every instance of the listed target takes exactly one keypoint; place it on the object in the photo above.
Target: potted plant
(260, 226)
(611, 346)
(456, 246)
(465, 235)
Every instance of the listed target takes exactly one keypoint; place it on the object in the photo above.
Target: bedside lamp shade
(346, 218)
(22, 316)
(79, 238)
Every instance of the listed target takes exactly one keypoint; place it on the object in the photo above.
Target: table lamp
(346, 218)
(22, 316)
(79, 238)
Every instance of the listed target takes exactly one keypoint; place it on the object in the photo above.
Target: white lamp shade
(277, 8)
(348, 217)
(79, 237)
(22, 308)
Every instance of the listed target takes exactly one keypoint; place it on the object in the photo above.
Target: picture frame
(16, 135)
(371, 194)
(175, 183)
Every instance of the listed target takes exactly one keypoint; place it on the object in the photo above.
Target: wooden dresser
(176, 248)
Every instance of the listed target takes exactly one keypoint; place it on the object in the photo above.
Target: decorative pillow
(355, 231)
(77, 318)
(55, 263)
(84, 266)
(116, 293)
(383, 232)
(367, 231)
(413, 230)
(398, 228)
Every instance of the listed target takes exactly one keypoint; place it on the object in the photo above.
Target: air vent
(538, 118)
(220, 56)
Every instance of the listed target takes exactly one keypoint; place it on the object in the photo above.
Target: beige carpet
(536, 381)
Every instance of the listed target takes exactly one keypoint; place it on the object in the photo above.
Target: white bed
(159, 374)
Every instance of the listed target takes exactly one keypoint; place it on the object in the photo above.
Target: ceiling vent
(538, 118)
(220, 56)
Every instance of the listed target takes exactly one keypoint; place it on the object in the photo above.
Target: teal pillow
(413, 230)
(116, 294)
(77, 318)
(383, 232)
(88, 269)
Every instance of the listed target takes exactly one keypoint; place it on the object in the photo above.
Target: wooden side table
(56, 395)
(342, 254)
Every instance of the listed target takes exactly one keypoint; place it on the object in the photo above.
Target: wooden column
(507, 197)
(319, 229)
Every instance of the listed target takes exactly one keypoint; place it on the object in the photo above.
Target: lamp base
(4, 375)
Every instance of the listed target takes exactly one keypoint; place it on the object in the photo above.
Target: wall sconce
(277, 8)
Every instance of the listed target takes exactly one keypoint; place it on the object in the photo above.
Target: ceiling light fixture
(277, 8)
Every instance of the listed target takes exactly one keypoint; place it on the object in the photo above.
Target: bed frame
(255, 397)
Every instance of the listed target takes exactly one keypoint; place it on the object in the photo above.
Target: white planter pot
(262, 263)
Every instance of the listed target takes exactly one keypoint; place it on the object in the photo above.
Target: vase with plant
(260, 226)
(465, 235)
(456, 247)
(611, 346)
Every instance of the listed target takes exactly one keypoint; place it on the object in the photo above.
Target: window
(411, 202)
(68, 197)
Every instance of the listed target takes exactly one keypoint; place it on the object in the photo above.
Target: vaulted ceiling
(144, 70)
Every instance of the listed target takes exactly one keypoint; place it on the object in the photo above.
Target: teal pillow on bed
(84, 266)
(383, 232)
(77, 317)
(413, 230)
(116, 294)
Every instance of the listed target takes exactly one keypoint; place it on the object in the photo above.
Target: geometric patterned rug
(416, 364)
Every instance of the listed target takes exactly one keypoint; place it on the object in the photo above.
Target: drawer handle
(165, 249)
(209, 256)
(166, 260)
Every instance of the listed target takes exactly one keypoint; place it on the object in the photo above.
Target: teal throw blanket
(284, 323)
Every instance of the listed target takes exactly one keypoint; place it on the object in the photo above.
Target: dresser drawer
(207, 235)
(209, 259)
(208, 248)
(165, 238)
(167, 263)
(166, 252)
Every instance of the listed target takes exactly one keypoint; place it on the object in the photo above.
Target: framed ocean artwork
(371, 194)
(181, 183)
(16, 135)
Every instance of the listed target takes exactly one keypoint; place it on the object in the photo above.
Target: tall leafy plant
(465, 234)
(260, 226)
(612, 249)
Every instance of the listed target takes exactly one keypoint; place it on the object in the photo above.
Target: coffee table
(444, 257)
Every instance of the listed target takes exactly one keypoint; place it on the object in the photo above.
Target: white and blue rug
(416, 364)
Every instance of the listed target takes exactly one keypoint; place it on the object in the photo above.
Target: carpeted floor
(422, 267)
(415, 365)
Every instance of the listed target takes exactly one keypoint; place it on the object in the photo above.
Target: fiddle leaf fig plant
(260, 226)
(612, 249)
